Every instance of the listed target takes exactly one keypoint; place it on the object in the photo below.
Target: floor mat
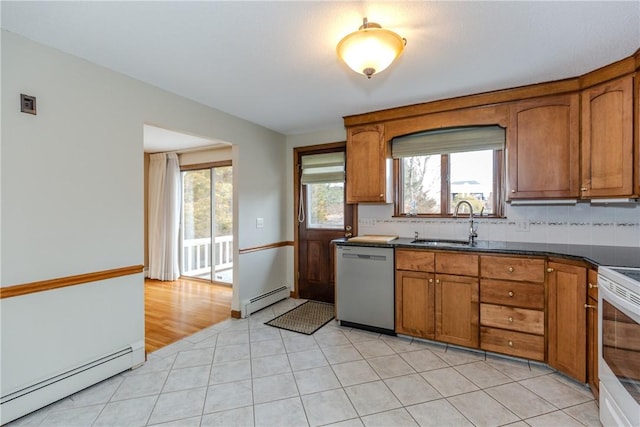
(306, 318)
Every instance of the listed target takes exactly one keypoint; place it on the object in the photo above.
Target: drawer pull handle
(510, 269)
(549, 270)
(510, 293)
(510, 343)
(511, 319)
(590, 306)
(592, 286)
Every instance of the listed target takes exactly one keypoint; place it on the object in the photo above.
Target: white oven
(619, 345)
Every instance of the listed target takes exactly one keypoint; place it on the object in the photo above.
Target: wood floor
(174, 310)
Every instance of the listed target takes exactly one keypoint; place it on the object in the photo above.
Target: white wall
(72, 184)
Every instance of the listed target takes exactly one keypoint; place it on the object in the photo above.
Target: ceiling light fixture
(371, 49)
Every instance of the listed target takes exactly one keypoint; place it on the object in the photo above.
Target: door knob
(347, 235)
(348, 228)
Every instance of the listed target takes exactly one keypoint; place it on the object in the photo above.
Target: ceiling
(275, 64)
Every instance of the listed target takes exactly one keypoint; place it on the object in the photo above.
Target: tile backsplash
(583, 223)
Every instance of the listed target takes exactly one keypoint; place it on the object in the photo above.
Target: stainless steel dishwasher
(365, 288)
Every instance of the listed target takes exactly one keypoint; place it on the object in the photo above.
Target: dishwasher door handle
(367, 257)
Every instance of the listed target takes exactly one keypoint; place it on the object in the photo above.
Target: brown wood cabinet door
(607, 139)
(457, 309)
(367, 164)
(636, 126)
(567, 339)
(543, 148)
(415, 304)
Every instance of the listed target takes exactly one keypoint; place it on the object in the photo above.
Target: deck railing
(196, 255)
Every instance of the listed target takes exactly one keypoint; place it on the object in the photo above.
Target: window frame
(445, 189)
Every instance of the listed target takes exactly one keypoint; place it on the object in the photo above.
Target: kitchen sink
(441, 242)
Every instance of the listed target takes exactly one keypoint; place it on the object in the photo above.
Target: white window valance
(322, 168)
(451, 140)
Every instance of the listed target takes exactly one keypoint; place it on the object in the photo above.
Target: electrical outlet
(522, 225)
(366, 222)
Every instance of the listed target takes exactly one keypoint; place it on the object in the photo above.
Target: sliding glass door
(207, 223)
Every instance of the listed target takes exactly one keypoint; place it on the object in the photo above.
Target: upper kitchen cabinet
(368, 165)
(543, 148)
(607, 139)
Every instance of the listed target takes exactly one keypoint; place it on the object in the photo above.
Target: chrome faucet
(473, 228)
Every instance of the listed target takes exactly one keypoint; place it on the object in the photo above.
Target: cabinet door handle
(510, 269)
(437, 280)
(549, 270)
(430, 280)
(584, 189)
(513, 191)
(511, 293)
(590, 306)
(592, 286)
(381, 196)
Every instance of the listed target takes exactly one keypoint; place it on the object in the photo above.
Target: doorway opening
(322, 216)
(206, 237)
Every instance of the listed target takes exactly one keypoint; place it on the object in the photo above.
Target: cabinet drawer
(515, 319)
(511, 268)
(514, 343)
(458, 264)
(414, 260)
(518, 294)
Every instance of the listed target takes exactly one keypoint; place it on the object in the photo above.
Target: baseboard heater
(263, 300)
(21, 402)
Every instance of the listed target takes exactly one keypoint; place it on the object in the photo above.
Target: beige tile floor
(244, 373)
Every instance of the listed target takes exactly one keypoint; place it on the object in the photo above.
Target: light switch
(259, 222)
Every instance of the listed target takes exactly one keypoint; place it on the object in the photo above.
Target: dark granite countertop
(595, 255)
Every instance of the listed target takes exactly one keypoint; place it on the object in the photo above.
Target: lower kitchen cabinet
(512, 317)
(415, 300)
(433, 303)
(515, 305)
(457, 309)
(592, 333)
(567, 318)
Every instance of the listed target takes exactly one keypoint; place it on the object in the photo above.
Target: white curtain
(164, 216)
